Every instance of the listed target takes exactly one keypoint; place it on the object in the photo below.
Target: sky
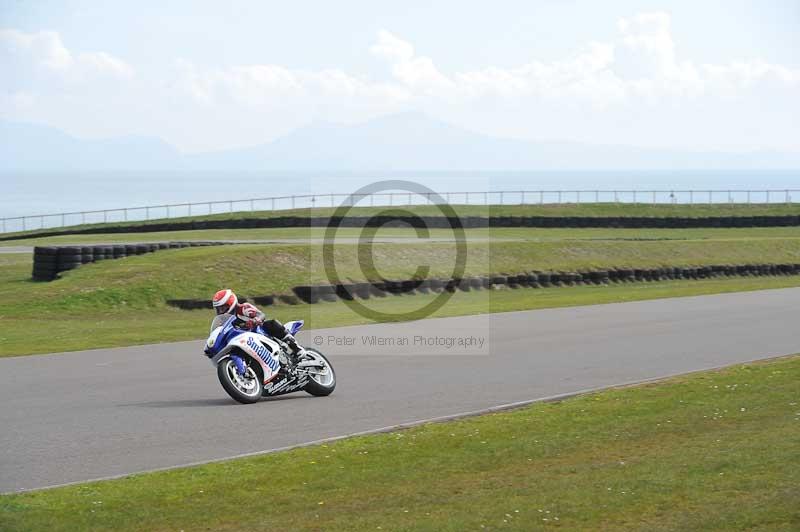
(203, 76)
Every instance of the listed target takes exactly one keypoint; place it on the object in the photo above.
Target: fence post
(787, 195)
(252, 206)
(83, 217)
(167, 211)
(710, 200)
(522, 197)
(105, 216)
(63, 223)
(767, 196)
(597, 196)
(292, 202)
(273, 203)
(559, 197)
(146, 213)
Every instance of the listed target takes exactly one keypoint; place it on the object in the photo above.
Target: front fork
(240, 366)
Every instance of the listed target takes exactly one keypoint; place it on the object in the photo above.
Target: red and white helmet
(224, 301)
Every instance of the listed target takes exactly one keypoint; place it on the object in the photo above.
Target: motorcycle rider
(249, 317)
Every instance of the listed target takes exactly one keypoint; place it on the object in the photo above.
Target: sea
(34, 194)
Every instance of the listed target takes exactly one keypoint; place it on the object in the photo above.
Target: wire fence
(505, 197)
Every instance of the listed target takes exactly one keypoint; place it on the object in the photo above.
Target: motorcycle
(251, 364)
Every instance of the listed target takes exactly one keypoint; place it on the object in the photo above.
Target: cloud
(598, 87)
(641, 63)
(44, 53)
(268, 86)
(391, 48)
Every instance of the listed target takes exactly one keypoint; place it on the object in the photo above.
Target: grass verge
(712, 450)
(123, 302)
(93, 328)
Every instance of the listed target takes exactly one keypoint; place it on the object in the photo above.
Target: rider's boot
(293, 353)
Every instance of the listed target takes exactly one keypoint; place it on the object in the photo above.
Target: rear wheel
(245, 388)
(321, 377)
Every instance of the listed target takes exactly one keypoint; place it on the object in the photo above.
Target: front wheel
(245, 388)
(321, 377)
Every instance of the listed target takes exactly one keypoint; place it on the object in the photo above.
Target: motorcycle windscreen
(219, 320)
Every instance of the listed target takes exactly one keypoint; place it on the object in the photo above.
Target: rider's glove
(253, 323)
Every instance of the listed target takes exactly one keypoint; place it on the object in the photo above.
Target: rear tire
(245, 390)
(322, 385)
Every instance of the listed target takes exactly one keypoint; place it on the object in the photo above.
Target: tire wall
(313, 294)
(49, 261)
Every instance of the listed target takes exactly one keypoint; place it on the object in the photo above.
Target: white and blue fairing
(294, 326)
(225, 338)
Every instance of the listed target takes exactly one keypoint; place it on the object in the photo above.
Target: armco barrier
(432, 222)
(313, 294)
(49, 261)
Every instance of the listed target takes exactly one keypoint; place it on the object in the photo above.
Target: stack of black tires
(45, 263)
(48, 261)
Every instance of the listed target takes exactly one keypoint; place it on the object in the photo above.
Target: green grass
(123, 302)
(92, 328)
(146, 281)
(714, 450)
(565, 209)
(523, 233)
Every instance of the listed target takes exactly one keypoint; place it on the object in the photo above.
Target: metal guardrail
(505, 197)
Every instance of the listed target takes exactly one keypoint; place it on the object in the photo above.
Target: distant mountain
(407, 141)
(42, 148)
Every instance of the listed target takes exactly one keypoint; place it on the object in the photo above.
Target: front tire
(320, 383)
(246, 389)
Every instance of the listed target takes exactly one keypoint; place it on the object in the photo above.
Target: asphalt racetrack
(93, 414)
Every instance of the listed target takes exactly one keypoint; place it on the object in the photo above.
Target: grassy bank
(146, 281)
(115, 326)
(714, 450)
(557, 210)
(123, 302)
